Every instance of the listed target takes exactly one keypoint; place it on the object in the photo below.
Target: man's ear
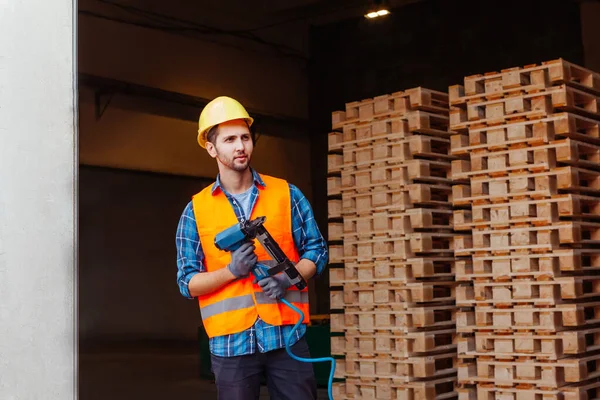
(210, 148)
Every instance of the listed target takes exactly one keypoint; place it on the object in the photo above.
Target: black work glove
(243, 260)
(275, 286)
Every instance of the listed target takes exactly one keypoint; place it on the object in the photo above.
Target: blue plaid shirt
(310, 245)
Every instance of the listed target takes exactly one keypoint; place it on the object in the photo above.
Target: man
(246, 325)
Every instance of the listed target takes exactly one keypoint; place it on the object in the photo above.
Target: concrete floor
(150, 373)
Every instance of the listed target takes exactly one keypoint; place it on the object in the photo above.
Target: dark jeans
(238, 378)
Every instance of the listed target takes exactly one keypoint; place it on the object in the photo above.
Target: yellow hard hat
(219, 110)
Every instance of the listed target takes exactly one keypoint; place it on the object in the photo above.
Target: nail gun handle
(294, 276)
(260, 271)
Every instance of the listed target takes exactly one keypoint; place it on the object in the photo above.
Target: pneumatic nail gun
(233, 237)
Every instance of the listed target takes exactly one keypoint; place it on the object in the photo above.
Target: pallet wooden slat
(528, 211)
(552, 319)
(524, 107)
(388, 389)
(407, 320)
(537, 158)
(532, 184)
(534, 132)
(395, 345)
(388, 198)
(402, 370)
(526, 79)
(409, 270)
(550, 346)
(526, 291)
(525, 264)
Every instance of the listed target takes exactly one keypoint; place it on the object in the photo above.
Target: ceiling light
(376, 8)
(375, 14)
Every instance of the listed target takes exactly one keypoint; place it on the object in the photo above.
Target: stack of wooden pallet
(391, 239)
(530, 301)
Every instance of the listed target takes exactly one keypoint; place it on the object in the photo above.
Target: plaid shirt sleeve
(307, 236)
(189, 250)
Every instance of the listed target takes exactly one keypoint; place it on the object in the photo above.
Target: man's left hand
(275, 286)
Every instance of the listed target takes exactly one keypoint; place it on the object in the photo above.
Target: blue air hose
(307, 360)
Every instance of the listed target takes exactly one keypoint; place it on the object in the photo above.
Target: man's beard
(233, 164)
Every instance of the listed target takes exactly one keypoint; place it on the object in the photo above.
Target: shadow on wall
(127, 257)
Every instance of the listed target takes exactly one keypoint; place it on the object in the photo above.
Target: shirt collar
(255, 176)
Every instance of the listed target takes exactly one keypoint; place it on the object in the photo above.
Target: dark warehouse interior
(146, 70)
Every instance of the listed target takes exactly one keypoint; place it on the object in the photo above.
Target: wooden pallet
(389, 389)
(427, 100)
(392, 128)
(532, 238)
(387, 223)
(400, 248)
(550, 346)
(534, 132)
(394, 150)
(394, 199)
(411, 270)
(537, 158)
(526, 291)
(503, 110)
(395, 175)
(369, 296)
(522, 184)
(525, 107)
(434, 317)
(524, 264)
(394, 345)
(527, 79)
(541, 373)
(585, 391)
(528, 211)
(395, 104)
(406, 369)
(391, 248)
(507, 320)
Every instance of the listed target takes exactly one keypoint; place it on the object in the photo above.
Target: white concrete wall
(37, 197)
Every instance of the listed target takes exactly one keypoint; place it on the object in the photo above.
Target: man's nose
(239, 145)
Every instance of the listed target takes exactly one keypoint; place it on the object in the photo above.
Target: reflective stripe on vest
(231, 304)
(235, 307)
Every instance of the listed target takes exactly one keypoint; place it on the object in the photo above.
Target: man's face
(233, 145)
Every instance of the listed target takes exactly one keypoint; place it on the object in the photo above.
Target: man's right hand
(243, 260)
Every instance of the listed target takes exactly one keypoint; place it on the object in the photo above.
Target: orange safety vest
(235, 307)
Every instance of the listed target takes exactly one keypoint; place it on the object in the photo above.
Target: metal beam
(173, 104)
